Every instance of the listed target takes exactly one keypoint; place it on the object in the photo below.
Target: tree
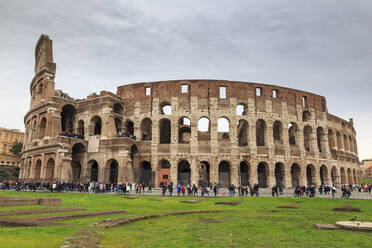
(16, 148)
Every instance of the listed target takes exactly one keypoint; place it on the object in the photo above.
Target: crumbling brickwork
(185, 131)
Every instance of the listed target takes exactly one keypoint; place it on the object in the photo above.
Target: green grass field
(250, 224)
(367, 180)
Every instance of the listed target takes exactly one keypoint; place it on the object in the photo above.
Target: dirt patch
(274, 211)
(23, 201)
(292, 206)
(50, 220)
(117, 222)
(346, 208)
(130, 197)
(192, 201)
(86, 238)
(41, 211)
(156, 199)
(326, 226)
(228, 203)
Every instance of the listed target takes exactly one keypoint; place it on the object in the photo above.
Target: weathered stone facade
(185, 131)
(7, 138)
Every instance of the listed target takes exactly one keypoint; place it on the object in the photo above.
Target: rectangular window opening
(304, 101)
(223, 92)
(184, 88)
(258, 91)
(275, 93)
(148, 91)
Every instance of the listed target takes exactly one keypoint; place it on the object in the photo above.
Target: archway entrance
(94, 171)
(262, 174)
(244, 173)
(334, 176)
(310, 174)
(279, 174)
(323, 175)
(145, 173)
(295, 175)
(37, 169)
(77, 156)
(224, 174)
(343, 176)
(114, 169)
(49, 169)
(184, 173)
(164, 172)
(204, 173)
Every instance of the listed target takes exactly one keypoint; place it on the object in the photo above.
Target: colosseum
(184, 131)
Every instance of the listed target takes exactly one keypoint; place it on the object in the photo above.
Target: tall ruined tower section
(42, 86)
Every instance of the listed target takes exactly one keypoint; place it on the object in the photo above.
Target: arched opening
(277, 131)
(184, 173)
(96, 125)
(242, 133)
(310, 174)
(295, 175)
(343, 176)
(164, 172)
(184, 130)
(224, 174)
(68, 118)
(334, 176)
(306, 116)
(320, 139)
(244, 173)
(204, 128)
(118, 109)
(42, 128)
(307, 138)
(80, 130)
(114, 169)
(119, 127)
(37, 169)
(292, 133)
(145, 173)
(349, 177)
(323, 175)
(223, 129)
(339, 141)
(165, 108)
(241, 109)
(331, 139)
(49, 169)
(346, 143)
(165, 131)
(93, 171)
(146, 129)
(262, 173)
(129, 128)
(260, 132)
(204, 173)
(279, 174)
(77, 156)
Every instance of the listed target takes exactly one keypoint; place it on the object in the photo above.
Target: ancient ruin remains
(184, 131)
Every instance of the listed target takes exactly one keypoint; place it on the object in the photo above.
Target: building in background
(7, 138)
(367, 168)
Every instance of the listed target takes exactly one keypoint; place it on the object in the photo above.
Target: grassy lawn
(250, 224)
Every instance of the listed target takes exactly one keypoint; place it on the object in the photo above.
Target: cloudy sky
(324, 47)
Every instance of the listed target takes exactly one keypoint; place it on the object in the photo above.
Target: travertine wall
(273, 135)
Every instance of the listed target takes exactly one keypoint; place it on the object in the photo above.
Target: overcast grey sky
(320, 46)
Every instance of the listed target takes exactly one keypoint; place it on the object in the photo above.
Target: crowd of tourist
(71, 135)
(212, 189)
(125, 134)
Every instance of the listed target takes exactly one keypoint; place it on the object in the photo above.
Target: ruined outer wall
(202, 100)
